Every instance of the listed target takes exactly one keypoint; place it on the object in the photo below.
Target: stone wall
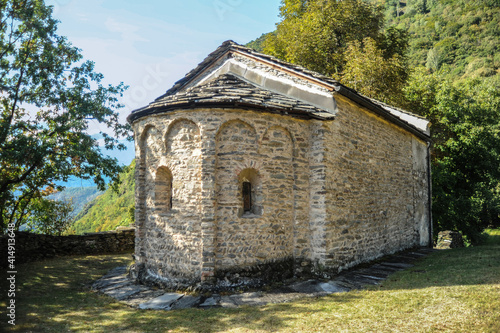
(211, 230)
(449, 240)
(376, 188)
(33, 247)
(170, 150)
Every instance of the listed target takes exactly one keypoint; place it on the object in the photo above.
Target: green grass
(449, 291)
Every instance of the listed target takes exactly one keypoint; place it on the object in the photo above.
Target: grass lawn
(449, 291)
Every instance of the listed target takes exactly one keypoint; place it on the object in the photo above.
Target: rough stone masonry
(250, 167)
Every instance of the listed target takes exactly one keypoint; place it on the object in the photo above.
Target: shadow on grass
(47, 288)
(54, 296)
(269, 318)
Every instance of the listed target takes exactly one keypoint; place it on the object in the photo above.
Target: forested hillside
(110, 209)
(463, 35)
(454, 55)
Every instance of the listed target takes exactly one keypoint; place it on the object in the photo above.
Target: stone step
(125, 291)
(117, 284)
(163, 302)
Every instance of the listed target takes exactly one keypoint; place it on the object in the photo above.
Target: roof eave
(140, 113)
(365, 102)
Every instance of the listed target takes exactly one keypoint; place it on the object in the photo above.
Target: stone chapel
(250, 164)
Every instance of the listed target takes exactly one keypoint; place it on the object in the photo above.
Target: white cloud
(128, 31)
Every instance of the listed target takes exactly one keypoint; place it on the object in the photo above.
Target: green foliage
(458, 32)
(50, 217)
(49, 97)
(315, 34)
(453, 48)
(257, 44)
(111, 209)
(345, 40)
(459, 43)
(368, 72)
(433, 60)
(466, 156)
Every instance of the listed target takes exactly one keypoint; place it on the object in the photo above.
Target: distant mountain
(79, 196)
(110, 209)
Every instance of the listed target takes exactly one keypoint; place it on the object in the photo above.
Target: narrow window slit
(247, 196)
(163, 190)
(170, 194)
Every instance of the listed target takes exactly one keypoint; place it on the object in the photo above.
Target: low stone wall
(33, 247)
(449, 240)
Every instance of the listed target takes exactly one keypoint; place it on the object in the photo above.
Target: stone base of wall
(142, 275)
(254, 276)
(225, 280)
(34, 247)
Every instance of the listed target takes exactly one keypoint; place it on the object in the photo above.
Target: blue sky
(149, 45)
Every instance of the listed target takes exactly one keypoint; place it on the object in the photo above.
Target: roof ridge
(228, 48)
(229, 45)
(287, 64)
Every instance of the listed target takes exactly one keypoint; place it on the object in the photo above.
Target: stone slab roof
(188, 92)
(231, 91)
(230, 45)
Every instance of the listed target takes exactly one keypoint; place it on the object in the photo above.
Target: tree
(49, 97)
(339, 39)
(466, 154)
(371, 74)
(433, 60)
(49, 217)
(315, 33)
(467, 167)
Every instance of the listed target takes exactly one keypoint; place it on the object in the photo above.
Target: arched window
(250, 189)
(163, 190)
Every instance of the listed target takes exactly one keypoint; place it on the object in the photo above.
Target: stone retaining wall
(33, 247)
(449, 240)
